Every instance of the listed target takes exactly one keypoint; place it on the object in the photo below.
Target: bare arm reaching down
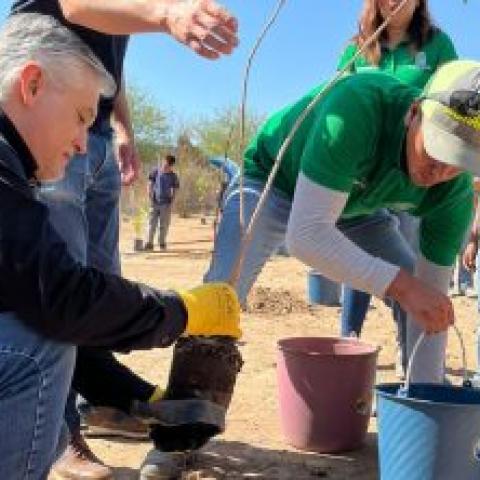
(313, 237)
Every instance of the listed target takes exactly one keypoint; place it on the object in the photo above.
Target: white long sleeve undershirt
(429, 364)
(313, 238)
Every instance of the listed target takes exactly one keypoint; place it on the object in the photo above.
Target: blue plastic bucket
(429, 431)
(433, 434)
(321, 290)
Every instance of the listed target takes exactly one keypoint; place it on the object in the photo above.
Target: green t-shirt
(352, 142)
(411, 67)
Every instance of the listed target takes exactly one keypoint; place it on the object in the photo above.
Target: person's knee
(21, 341)
(25, 380)
(408, 261)
(400, 253)
(24, 375)
(32, 401)
(20, 374)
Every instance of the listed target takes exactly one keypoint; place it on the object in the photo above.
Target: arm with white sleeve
(429, 364)
(312, 237)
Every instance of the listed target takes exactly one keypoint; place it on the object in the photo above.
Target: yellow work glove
(213, 309)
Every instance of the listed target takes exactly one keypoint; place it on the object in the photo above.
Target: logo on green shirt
(421, 61)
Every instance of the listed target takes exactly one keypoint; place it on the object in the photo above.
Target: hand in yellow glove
(213, 309)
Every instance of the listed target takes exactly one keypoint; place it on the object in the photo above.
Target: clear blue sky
(301, 50)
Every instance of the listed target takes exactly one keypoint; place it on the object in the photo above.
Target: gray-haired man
(49, 91)
(84, 205)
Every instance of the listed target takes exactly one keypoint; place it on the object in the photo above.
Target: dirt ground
(253, 446)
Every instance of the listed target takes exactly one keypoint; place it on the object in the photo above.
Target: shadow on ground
(222, 460)
(237, 460)
(227, 460)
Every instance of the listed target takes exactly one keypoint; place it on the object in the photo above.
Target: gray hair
(59, 51)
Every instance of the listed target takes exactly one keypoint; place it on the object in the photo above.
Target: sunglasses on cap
(464, 102)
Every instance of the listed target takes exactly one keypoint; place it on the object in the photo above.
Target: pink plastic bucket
(325, 389)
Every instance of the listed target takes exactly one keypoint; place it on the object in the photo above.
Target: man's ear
(31, 82)
(414, 113)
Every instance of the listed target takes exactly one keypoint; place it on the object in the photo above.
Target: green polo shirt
(413, 68)
(352, 142)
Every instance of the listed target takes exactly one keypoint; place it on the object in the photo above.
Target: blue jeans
(84, 209)
(35, 375)
(379, 237)
(356, 303)
(159, 216)
(84, 205)
(268, 236)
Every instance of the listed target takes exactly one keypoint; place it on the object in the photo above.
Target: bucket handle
(466, 380)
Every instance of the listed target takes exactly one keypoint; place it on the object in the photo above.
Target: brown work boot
(111, 422)
(78, 462)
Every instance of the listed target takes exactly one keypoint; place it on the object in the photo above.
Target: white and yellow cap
(451, 115)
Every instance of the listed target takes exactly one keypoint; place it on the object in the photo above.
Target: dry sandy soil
(253, 446)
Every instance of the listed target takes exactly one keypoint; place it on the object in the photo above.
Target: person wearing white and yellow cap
(372, 142)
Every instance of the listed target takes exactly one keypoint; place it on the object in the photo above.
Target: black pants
(103, 381)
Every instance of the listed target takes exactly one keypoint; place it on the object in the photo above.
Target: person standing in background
(162, 187)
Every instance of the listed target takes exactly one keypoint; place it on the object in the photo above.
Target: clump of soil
(275, 301)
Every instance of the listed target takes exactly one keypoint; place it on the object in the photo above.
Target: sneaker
(471, 293)
(475, 380)
(148, 247)
(78, 462)
(455, 292)
(163, 246)
(110, 422)
(160, 465)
